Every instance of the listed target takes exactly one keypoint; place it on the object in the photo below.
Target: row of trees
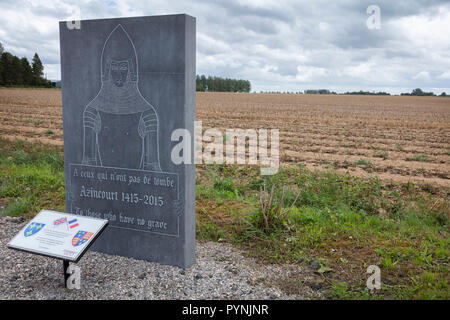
(222, 84)
(319, 91)
(15, 71)
(419, 92)
(368, 93)
(360, 92)
(415, 92)
(326, 91)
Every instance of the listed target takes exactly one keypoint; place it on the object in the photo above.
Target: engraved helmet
(119, 49)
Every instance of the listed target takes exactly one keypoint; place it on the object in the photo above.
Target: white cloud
(445, 75)
(362, 70)
(422, 75)
(285, 45)
(309, 74)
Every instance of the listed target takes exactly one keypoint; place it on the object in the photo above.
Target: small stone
(142, 276)
(316, 286)
(182, 272)
(314, 265)
(19, 220)
(198, 276)
(300, 260)
(231, 269)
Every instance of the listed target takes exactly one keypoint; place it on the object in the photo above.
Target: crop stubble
(396, 138)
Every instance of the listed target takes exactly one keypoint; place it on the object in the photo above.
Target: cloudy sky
(278, 45)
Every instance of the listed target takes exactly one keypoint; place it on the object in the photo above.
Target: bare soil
(395, 138)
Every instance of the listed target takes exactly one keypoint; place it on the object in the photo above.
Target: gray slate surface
(128, 83)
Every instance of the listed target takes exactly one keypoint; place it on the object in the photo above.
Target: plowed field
(396, 138)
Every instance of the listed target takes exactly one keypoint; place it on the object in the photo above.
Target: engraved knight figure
(119, 123)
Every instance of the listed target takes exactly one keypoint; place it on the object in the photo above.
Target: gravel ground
(221, 272)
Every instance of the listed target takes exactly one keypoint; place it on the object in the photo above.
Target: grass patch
(31, 178)
(346, 223)
(366, 164)
(382, 154)
(343, 222)
(419, 157)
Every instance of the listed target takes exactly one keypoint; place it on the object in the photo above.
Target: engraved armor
(119, 123)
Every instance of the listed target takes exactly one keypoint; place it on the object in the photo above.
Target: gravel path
(221, 272)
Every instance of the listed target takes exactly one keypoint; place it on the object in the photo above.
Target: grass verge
(31, 178)
(343, 222)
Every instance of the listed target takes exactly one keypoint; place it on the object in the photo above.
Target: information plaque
(58, 235)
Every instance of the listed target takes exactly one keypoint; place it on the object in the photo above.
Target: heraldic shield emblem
(33, 228)
(81, 237)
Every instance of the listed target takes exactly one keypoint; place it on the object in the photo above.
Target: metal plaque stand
(66, 275)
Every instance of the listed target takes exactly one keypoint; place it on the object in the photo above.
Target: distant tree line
(319, 91)
(282, 92)
(367, 93)
(415, 92)
(15, 71)
(360, 92)
(222, 84)
(419, 92)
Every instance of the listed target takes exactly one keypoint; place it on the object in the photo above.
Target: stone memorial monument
(127, 85)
